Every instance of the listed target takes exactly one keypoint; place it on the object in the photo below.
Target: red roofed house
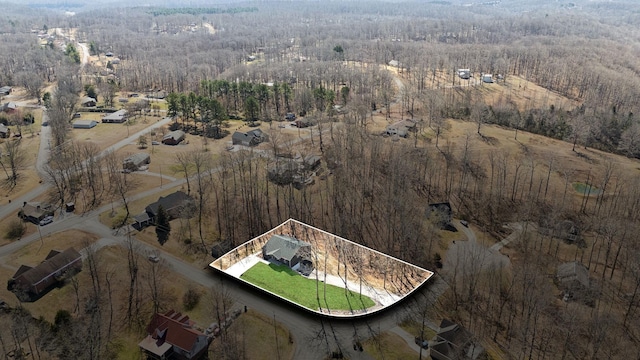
(172, 336)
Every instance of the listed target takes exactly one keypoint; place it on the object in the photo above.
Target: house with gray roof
(289, 251)
(117, 117)
(453, 342)
(573, 279)
(174, 137)
(250, 138)
(88, 101)
(30, 283)
(135, 161)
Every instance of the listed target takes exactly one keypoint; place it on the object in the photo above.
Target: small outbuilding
(174, 137)
(487, 78)
(135, 161)
(84, 124)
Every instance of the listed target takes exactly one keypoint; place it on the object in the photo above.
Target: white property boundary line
(216, 265)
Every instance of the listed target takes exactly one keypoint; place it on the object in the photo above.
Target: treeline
(200, 10)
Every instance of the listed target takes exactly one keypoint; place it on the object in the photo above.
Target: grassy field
(255, 334)
(281, 280)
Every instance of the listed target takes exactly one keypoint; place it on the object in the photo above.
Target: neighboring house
(88, 102)
(5, 132)
(35, 212)
(84, 124)
(177, 205)
(115, 61)
(30, 283)
(441, 214)
(453, 342)
(173, 336)
(109, 54)
(565, 230)
(117, 117)
(304, 123)
(401, 128)
(573, 278)
(174, 137)
(5, 90)
(250, 138)
(311, 162)
(10, 107)
(289, 251)
(135, 161)
(283, 171)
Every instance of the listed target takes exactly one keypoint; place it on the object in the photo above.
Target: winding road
(314, 336)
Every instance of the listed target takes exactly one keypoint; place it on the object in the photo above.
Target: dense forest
(347, 66)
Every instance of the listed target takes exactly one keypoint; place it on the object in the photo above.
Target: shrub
(190, 299)
(15, 230)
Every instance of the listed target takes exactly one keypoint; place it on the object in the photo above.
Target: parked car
(155, 143)
(46, 220)
(422, 343)
(154, 258)
(290, 116)
(77, 115)
(464, 223)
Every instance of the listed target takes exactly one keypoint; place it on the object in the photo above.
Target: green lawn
(281, 280)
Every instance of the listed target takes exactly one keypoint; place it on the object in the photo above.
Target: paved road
(307, 329)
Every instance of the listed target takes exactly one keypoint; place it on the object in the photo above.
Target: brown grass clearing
(30, 228)
(255, 333)
(388, 345)
(30, 144)
(34, 253)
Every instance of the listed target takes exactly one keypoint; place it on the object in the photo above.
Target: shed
(84, 124)
(117, 117)
(135, 161)
(487, 78)
(174, 137)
